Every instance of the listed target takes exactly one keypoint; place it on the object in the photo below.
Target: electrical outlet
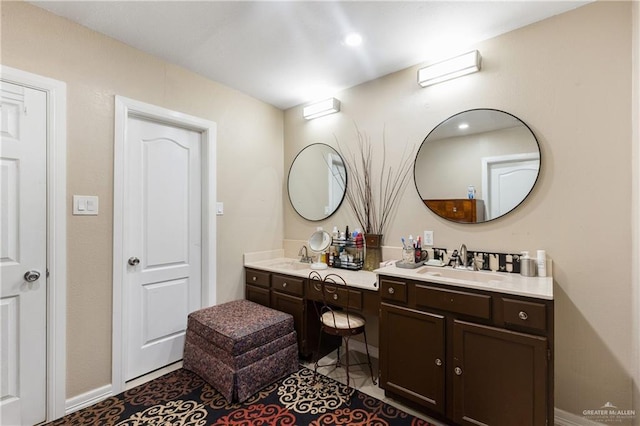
(428, 238)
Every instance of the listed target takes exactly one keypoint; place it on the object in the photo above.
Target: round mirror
(477, 166)
(317, 182)
(319, 242)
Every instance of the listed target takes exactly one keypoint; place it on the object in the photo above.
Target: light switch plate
(219, 208)
(85, 205)
(428, 238)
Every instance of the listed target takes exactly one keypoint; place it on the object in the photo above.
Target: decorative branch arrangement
(374, 201)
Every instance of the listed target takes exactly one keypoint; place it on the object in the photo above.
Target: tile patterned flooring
(359, 377)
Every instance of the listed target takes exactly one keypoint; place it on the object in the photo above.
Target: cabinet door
(412, 355)
(500, 376)
(295, 306)
(257, 294)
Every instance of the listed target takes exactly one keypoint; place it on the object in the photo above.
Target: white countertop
(507, 283)
(361, 279)
(501, 282)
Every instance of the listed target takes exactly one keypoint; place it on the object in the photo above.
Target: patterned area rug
(183, 398)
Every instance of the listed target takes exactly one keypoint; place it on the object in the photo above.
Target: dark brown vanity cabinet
(284, 293)
(412, 355)
(287, 295)
(470, 357)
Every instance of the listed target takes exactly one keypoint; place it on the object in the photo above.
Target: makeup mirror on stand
(318, 243)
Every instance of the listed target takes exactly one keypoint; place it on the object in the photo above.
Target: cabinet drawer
(339, 298)
(525, 314)
(287, 284)
(257, 278)
(476, 305)
(395, 291)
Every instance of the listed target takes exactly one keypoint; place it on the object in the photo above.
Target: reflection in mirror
(477, 165)
(317, 182)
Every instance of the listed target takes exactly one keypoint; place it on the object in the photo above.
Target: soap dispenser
(527, 265)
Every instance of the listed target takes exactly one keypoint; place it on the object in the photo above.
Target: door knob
(31, 276)
(133, 261)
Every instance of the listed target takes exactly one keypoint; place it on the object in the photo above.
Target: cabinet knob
(254, 278)
(438, 362)
(284, 285)
(391, 290)
(523, 315)
(458, 371)
(335, 297)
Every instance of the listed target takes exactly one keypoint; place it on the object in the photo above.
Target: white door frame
(56, 231)
(125, 108)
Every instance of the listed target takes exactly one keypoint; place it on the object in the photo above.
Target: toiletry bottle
(542, 263)
(471, 192)
(335, 233)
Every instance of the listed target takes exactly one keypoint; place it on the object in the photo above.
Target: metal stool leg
(366, 346)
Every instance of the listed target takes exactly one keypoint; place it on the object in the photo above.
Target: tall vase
(373, 251)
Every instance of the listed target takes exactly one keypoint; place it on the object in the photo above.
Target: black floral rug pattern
(183, 398)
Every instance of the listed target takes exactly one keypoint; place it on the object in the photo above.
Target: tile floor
(358, 376)
(360, 379)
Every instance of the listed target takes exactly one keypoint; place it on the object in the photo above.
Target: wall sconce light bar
(451, 68)
(318, 109)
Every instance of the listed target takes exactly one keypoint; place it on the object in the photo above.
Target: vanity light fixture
(318, 109)
(450, 68)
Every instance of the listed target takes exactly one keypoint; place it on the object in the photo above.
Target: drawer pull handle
(284, 285)
(391, 290)
(438, 362)
(523, 315)
(254, 278)
(458, 371)
(335, 297)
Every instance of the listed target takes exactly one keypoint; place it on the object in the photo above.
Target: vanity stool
(240, 347)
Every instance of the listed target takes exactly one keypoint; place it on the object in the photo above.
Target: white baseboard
(564, 418)
(89, 398)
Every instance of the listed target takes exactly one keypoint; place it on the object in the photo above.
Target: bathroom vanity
(282, 284)
(475, 349)
(469, 347)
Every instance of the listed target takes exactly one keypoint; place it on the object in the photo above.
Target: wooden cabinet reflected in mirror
(489, 153)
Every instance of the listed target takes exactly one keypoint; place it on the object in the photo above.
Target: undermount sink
(292, 265)
(461, 274)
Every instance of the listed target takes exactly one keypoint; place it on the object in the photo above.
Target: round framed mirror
(317, 182)
(477, 166)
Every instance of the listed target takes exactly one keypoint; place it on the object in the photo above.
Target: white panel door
(162, 240)
(509, 184)
(23, 237)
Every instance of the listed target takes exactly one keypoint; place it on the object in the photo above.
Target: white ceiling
(291, 52)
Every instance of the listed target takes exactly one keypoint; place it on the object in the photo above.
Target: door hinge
(548, 354)
(47, 274)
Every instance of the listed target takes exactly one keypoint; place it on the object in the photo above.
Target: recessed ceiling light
(353, 39)
(463, 126)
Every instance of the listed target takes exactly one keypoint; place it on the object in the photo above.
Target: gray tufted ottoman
(240, 347)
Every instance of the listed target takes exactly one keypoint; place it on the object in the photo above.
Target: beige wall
(569, 79)
(95, 68)
(556, 75)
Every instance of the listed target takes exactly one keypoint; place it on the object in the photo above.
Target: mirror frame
(422, 145)
(344, 192)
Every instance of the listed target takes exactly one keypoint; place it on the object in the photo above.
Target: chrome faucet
(462, 256)
(463, 261)
(304, 258)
